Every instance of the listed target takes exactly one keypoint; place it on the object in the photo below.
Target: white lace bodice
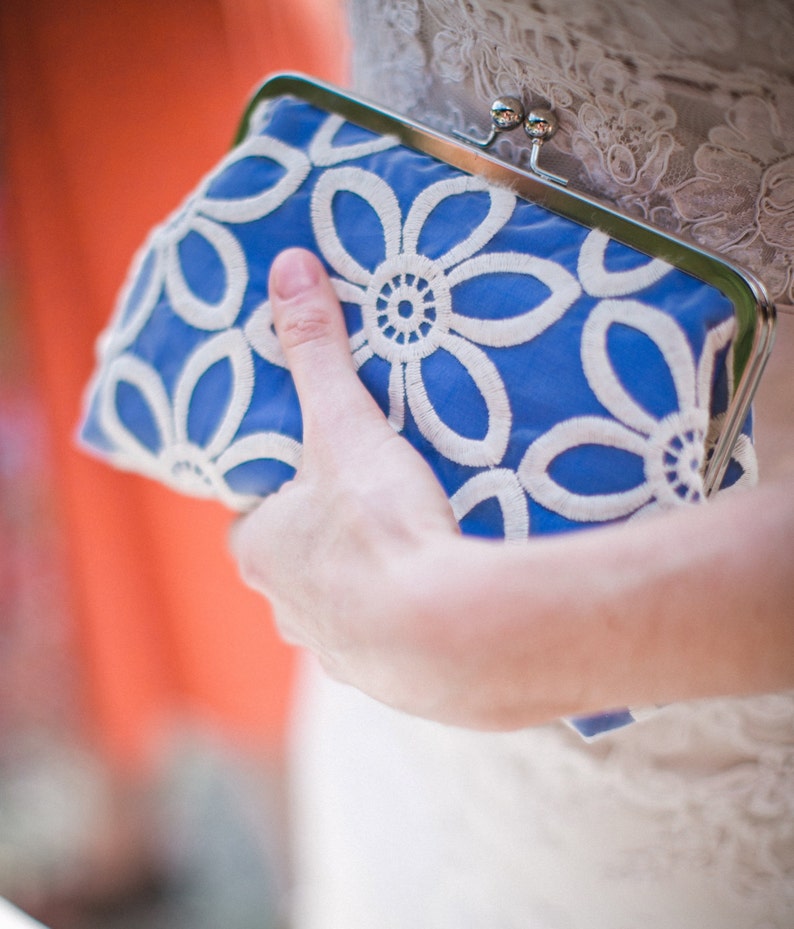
(682, 821)
(683, 114)
(679, 113)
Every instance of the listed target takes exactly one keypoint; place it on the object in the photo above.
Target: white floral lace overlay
(685, 820)
(682, 115)
(753, 217)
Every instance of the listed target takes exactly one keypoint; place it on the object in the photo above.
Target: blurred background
(143, 693)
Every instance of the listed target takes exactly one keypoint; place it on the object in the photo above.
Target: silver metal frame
(755, 313)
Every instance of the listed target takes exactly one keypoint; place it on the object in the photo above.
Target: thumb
(312, 333)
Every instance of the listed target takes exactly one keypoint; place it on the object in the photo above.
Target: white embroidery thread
(500, 484)
(324, 153)
(180, 462)
(672, 448)
(408, 309)
(597, 281)
(202, 214)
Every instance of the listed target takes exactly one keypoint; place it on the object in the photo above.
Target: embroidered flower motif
(671, 447)
(326, 150)
(190, 452)
(198, 225)
(407, 300)
(750, 153)
(598, 281)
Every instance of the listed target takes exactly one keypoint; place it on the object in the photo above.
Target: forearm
(697, 603)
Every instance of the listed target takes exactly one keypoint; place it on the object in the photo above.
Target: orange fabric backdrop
(113, 111)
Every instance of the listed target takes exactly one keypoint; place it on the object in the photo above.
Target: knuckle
(251, 546)
(306, 324)
(288, 628)
(253, 569)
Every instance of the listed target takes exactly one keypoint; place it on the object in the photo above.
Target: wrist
(486, 659)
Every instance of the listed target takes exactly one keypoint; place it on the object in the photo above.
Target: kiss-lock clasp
(540, 124)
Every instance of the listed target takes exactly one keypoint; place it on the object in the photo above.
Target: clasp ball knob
(540, 124)
(507, 113)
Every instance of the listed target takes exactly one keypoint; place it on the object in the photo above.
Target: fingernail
(294, 271)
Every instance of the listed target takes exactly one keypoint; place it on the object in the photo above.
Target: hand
(339, 549)
(364, 565)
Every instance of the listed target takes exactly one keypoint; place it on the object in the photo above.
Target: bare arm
(364, 565)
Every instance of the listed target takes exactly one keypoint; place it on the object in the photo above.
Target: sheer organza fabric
(679, 113)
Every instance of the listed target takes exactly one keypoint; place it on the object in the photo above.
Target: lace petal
(501, 205)
(503, 485)
(144, 379)
(475, 452)
(377, 194)
(262, 336)
(232, 347)
(533, 472)
(515, 330)
(599, 282)
(325, 153)
(193, 309)
(246, 209)
(662, 330)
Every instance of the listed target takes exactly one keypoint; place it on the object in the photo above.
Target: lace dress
(682, 114)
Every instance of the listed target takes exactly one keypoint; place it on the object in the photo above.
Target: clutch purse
(559, 365)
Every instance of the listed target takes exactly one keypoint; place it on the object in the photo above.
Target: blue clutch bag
(558, 365)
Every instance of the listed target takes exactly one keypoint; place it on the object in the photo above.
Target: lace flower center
(188, 465)
(406, 309)
(680, 440)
